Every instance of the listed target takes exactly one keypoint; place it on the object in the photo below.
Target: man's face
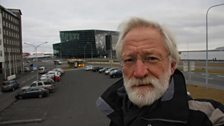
(146, 65)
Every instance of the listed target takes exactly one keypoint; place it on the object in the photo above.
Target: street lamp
(35, 47)
(206, 80)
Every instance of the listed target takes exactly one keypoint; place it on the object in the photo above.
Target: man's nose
(140, 70)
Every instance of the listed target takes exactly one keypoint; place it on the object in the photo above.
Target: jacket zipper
(165, 120)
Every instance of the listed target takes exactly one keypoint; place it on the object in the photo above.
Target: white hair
(135, 22)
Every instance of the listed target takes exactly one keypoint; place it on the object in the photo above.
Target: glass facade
(83, 43)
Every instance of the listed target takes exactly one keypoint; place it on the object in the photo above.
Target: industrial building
(10, 42)
(86, 44)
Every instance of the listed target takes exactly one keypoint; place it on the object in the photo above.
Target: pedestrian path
(7, 98)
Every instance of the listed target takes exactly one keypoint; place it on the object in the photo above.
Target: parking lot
(73, 103)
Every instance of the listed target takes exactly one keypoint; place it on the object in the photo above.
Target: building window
(1, 53)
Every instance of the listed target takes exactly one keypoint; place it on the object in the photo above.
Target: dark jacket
(174, 108)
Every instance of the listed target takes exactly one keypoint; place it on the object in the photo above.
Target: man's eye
(128, 60)
(151, 59)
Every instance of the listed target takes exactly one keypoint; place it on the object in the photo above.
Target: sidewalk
(7, 98)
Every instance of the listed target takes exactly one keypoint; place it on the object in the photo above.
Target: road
(73, 103)
(214, 80)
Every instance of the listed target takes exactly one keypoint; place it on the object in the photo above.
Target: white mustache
(149, 80)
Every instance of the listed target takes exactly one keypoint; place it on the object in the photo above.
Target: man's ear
(173, 66)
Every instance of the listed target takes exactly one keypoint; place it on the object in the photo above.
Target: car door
(34, 92)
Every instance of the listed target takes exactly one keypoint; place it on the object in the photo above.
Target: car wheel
(40, 96)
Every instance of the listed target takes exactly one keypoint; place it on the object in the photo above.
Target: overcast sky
(43, 19)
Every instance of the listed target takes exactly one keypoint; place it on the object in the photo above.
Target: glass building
(86, 44)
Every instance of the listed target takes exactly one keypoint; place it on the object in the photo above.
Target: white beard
(154, 88)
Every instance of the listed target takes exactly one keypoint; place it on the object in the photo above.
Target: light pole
(35, 47)
(206, 80)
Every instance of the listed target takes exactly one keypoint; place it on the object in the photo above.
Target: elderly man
(152, 91)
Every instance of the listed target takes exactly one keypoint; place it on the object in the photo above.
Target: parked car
(51, 88)
(27, 69)
(10, 85)
(47, 80)
(42, 70)
(45, 76)
(89, 67)
(33, 67)
(59, 70)
(108, 71)
(55, 75)
(32, 92)
(57, 62)
(96, 68)
(116, 73)
(103, 69)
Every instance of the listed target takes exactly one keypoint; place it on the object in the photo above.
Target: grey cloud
(43, 19)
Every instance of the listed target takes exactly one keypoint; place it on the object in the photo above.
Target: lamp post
(35, 47)
(206, 80)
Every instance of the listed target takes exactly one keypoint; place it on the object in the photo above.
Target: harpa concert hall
(86, 44)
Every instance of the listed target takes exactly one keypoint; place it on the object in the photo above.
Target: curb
(35, 120)
(7, 105)
(21, 121)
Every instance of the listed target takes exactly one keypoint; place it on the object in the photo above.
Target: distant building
(86, 44)
(38, 56)
(10, 42)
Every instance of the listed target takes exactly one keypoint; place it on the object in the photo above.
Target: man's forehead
(142, 33)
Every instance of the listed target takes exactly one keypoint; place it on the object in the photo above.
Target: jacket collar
(173, 105)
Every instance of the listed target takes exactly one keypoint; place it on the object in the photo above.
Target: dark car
(116, 73)
(27, 69)
(103, 69)
(10, 85)
(32, 92)
(109, 70)
(96, 68)
(57, 62)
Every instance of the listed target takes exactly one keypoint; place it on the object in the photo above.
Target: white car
(89, 67)
(55, 73)
(42, 70)
(40, 84)
(45, 76)
(59, 70)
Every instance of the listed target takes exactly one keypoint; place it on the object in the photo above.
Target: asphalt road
(214, 80)
(73, 103)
